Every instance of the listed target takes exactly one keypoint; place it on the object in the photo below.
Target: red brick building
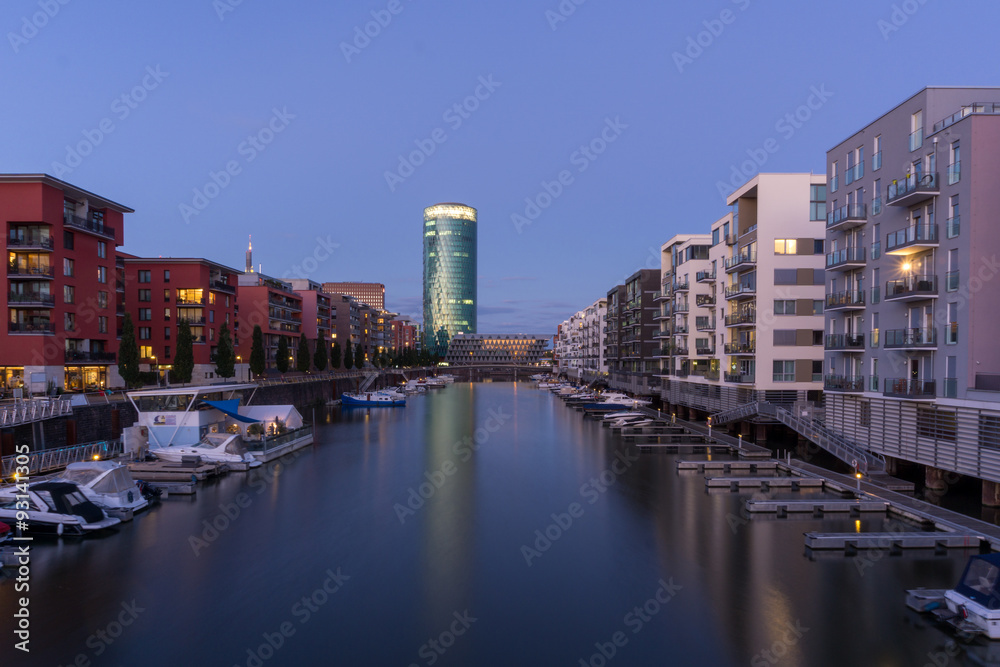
(370, 294)
(62, 294)
(273, 305)
(402, 335)
(162, 291)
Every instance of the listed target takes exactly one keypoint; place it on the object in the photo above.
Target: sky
(585, 132)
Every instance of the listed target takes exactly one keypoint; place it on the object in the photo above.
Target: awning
(230, 408)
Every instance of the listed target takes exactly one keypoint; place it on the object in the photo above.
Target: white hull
(983, 619)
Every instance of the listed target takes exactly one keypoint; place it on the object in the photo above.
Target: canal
(483, 524)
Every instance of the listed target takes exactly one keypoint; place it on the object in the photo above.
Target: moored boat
(107, 484)
(371, 399)
(53, 508)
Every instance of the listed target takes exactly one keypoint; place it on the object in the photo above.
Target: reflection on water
(425, 515)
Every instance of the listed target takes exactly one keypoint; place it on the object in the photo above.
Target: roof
(193, 390)
(71, 190)
(131, 259)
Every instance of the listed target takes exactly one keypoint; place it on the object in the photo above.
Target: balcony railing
(914, 287)
(31, 327)
(681, 286)
(704, 300)
(905, 388)
(844, 383)
(223, 287)
(912, 239)
(682, 307)
(748, 258)
(26, 299)
(190, 301)
(704, 351)
(15, 270)
(850, 299)
(92, 357)
(704, 276)
(739, 319)
(740, 348)
(845, 258)
(734, 291)
(704, 323)
(740, 378)
(912, 189)
(909, 338)
(31, 243)
(847, 216)
(851, 342)
(92, 226)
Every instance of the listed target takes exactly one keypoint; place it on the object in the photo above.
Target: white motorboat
(214, 447)
(53, 508)
(618, 415)
(107, 484)
(629, 421)
(371, 399)
(976, 598)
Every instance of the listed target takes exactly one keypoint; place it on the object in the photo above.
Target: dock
(764, 483)
(165, 471)
(819, 506)
(893, 542)
(728, 466)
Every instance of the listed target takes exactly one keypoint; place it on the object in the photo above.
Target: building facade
(632, 358)
(275, 307)
(518, 349)
(317, 316)
(64, 295)
(912, 369)
(450, 274)
(370, 294)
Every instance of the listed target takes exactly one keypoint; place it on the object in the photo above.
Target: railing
(987, 381)
(32, 242)
(924, 234)
(847, 299)
(911, 184)
(682, 307)
(851, 255)
(741, 318)
(916, 139)
(266, 444)
(876, 250)
(903, 338)
(951, 387)
(844, 342)
(740, 348)
(189, 301)
(47, 460)
(704, 300)
(904, 388)
(89, 225)
(704, 324)
(30, 299)
(738, 290)
(740, 378)
(680, 286)
(912, 286)
(877, 161)
(833, 442)
(742, 258)
(951, 280)
(24, 412)
(844, 383)
(848, 212)
(967, 110)
(223, 287)
(704, 351)
(704, 276)
(31, 327)
(44, 271)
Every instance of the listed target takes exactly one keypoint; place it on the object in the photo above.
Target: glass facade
(450, 274)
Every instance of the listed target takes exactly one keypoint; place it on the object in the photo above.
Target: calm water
(321, 564)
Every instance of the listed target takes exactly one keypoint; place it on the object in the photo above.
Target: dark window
(68, 240)
(166, 275)
(818, 246)
(817, 337)
(784, 336)
(145, 276)
(989, 431)
(785, 277)
(145, 295)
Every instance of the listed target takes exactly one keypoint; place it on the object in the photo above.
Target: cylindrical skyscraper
(450, 274)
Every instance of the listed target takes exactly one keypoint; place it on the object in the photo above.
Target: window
(227, 304)
(69, 321)
(145, 295)
(715, 237)
(784, 371)
(166, 275)
(954, 221)
(784, 246)
(877, 154)
(817, 202)
(102, 274)
(68, 240)
(817, 374)
(785, 277)
(916, 130)
(211, 298)
(877, 199)
(818, 307)
(102, 249)
(817, 337)
(166, 351)
(102, 324)
(69, 294)
(145, 333)
(818, 246)
(166, 333)
(834, 179)
(211, 316)
(166, 314)
(145, 276)
(166, 294)
(783, 337)
(955, 167)
(145, 314)
(211, 334)
(951, 330)
(69, 267)
(146, 351)
(102, 299)
(784, 307)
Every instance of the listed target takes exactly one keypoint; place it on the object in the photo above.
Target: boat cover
(981, 580)
(231, 408)
(119, 480)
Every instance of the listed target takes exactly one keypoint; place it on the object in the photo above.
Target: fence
(46, 460)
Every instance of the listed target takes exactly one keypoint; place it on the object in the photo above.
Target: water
(640, 563)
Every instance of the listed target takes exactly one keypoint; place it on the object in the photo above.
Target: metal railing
(923, 234)
(97, 227)
(47, 460)
(912, 286)
(851, 255)
(910, 184)
(844, 383)
(845, 213)
(833, 442)
(904, 338)
(844, 342)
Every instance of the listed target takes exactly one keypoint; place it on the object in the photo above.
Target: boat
(107, 484)
(53, 508)
(371, 399)
(447, 378)
(615, 401)
(973, 606)
(618, 415)
(213, 447)
(393, 392)
(431, 383)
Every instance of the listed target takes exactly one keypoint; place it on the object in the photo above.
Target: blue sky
(287, 122)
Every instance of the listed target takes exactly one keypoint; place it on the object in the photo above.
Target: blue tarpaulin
(230, 408)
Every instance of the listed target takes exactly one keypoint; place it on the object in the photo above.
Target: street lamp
(239, 362)
(858, 476)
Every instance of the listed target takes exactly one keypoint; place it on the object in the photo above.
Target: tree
(320, 358)
(281, 357)
(349, 357)
(225, 356)
(335, 356)
(184, 358)
(359, 357)
(128, 354)
(303, 362)
(258, 361)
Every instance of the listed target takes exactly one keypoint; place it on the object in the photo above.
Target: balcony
(914, 288)
(665, 351)
(740, 378)
(220, 286)
(92, 226)
(911, 190)
(189, 301)
(731, 239)
(662, 335)
(845, 259)
(78, 356)
(910, 339)
(740, 291)
(702, 300)
(913, 389)
(845, 342)
(119, 285)
(704, 276)
(661, 296)
(35, 328)
(681, 286)
(31, 243)
(744, 260)
(741, 319)
(681, 329)
(682, 307)
(680, 351)
(844, 383)
(30, 272)
(704, 323)
(913, 239)
(120, 262)
(739, 349)
(848, 300)
(30, 300)
(704, 351)
(847, 217)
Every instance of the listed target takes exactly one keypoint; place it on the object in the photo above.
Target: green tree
(349, 357)
(184, 357)
(225, 356)
(320, 357)
(303, 361)
(281, 357)
(258, 361)
(128, 354)
(335, 355)
(359, 357)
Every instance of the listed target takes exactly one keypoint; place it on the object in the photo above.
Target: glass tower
(449, 274)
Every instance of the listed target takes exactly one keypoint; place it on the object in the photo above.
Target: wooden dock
(165, 471)
(893, 541)
(764, 483)
(728, 466)
(817, 507)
